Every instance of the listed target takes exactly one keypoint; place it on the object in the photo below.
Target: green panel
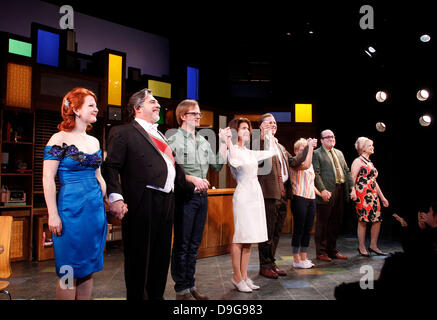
(161, 116)
(20, 47)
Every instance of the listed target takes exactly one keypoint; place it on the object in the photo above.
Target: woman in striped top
(303, 206)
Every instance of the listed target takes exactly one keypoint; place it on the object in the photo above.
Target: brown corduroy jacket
(269, 182)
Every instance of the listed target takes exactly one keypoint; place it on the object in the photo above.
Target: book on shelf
(15, 204)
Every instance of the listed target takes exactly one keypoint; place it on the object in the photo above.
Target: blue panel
(192, 83)
(47, 48)
(282, 116)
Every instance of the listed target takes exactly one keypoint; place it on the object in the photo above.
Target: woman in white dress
(250, 224)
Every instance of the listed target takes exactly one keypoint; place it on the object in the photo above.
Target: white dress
(250, 225)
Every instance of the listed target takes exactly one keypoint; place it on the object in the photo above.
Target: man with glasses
(190, 217)
(334, 181)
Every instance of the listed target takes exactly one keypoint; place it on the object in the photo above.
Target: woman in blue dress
(77, 216)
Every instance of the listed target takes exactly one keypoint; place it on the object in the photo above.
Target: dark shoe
(363, 254)
(268, 273)
(198, 296)
(377, 253)
(186, 296)
(338, 255)
(280, 272)
(324, 257)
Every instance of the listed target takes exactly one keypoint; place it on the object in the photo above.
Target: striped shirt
(302, 182)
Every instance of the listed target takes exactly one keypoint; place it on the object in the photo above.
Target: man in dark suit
(139, 154)
(276, 186)
(334, 181)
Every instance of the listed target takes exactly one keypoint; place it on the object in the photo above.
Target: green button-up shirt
(197, 155)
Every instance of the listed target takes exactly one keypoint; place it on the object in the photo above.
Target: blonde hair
(299, 143)
(361, 143)
(183, 107)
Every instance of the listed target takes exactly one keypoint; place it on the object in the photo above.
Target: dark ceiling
(238, 42)
(233, 33)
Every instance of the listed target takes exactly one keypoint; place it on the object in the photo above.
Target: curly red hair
(76, 98)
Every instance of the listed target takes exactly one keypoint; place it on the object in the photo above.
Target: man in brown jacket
(276, 187)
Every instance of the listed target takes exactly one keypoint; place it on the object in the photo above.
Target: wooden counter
(219, 226)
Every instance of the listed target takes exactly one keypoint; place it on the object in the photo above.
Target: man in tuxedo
(276, 187)
(334, 181)
(140, 158)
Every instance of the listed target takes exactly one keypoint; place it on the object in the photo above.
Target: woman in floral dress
(369, 194)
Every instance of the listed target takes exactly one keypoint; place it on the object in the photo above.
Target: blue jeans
(188, 232)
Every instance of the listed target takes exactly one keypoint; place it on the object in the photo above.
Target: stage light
(47, 48)
(160, 88)
(21, 48)
(422, 94)
(425, 38)
(192, 83)
(19, 85)
(371, 49)
(425, 120)
(115, 79)
(303, 112)
(381, 96)
(380, 126)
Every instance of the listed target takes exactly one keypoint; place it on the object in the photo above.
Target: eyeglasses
(200, 114)
(328, 137)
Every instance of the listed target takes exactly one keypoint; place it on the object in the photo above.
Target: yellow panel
(115, 69)
(207, 119)
(19, 86)
(160, 89)
(303, 112)
(250, 117)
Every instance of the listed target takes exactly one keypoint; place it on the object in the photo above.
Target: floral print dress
(367, 204)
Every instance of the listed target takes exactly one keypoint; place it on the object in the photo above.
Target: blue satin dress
(81, 209)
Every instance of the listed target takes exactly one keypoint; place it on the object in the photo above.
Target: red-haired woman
(77, 216)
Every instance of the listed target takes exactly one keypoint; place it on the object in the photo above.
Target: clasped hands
(225, 135)
(118, 209)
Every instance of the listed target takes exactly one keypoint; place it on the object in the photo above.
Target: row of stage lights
(422, 95)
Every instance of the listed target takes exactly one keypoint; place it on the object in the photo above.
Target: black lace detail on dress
(84, 159)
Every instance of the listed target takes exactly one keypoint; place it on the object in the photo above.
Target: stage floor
(37, 280)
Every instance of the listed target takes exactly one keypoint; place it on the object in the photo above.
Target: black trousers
(276, 211)
(146, 232)
(328, 223)
(303, 210)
